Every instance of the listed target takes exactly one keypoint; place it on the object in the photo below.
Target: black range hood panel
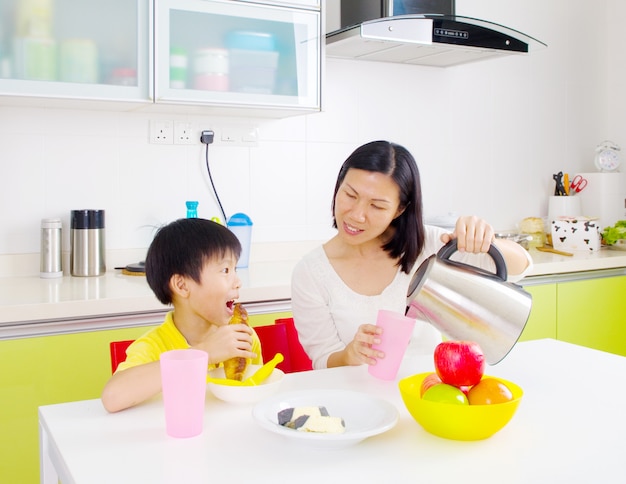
(432, 40)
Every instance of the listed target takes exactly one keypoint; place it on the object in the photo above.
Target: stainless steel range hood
(431, 40)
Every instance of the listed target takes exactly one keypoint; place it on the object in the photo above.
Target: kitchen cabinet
(593, 313)
(226, 53)
(542, 320)
(75, 50)
(253, 57)
(54, 369)
(46, 370)
(294, 3)
(589, 311)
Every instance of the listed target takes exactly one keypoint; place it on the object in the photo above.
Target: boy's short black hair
(182, 247)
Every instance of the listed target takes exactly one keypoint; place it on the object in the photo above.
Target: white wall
(487, 136)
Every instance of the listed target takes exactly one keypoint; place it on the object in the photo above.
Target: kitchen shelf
(161, 57)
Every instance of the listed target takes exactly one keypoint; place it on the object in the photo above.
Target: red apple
(459, 363)
(428, 382)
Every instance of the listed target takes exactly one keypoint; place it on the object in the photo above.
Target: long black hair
(396, 161)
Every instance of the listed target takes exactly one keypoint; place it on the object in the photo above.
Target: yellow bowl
(457, 422)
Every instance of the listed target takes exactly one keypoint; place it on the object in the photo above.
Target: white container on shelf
(604, 197)
(564, 206)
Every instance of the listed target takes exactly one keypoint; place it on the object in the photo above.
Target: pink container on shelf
(211, 82)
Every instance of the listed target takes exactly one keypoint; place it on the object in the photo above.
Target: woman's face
(365, 204)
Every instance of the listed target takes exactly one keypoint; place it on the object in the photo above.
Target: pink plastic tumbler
(397, 330)
(183, 379)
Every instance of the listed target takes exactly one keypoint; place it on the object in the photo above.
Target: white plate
(363, 415)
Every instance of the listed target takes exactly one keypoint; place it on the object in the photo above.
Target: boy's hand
(229, 341)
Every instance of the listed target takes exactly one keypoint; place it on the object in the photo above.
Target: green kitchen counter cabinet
(542, 320)
(53, 369)
(589, 312)
(593, 313)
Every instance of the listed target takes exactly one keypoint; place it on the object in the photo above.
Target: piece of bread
(531, 225)
(235, 368)
(291, 414)
(311, 419)
(321, 424)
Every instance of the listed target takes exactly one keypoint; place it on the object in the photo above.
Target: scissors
(559, 189)
(578, 183)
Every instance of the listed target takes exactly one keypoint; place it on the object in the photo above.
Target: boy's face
(212, 299)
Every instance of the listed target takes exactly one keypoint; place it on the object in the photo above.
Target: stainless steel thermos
(50, 265)
(87, 243)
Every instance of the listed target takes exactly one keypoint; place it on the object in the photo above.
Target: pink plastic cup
(183, 379)
(397, 330)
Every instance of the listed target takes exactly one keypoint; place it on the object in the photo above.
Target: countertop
(30, 299)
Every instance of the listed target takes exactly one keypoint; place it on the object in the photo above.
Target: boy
(191, 265)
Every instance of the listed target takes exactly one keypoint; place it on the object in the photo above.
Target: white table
(570, 428)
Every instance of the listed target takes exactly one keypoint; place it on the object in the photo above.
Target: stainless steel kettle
(468, 303)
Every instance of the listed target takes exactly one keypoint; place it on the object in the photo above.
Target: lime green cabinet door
(542, 320)
(592, 313)
(268, 318)
(43, 371)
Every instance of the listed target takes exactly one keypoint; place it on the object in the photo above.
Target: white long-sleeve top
(327, 313)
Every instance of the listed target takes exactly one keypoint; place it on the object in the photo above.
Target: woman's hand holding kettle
(473, 235)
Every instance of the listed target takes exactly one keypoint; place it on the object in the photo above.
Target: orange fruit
(489, 391)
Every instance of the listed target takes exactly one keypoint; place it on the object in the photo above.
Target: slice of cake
(311, 419)
(323, 424)
(291, 414)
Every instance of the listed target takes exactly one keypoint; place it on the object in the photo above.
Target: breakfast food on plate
(292, 413)
(234, 368)
(323, 424)
(311, 419)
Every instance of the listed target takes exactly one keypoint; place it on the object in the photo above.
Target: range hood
(430, 39)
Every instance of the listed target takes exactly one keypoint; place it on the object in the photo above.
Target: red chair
(300, 361)
(118, 352)
(282, 337)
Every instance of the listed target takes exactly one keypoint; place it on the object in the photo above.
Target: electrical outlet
(161, 132)
(183, 133)
(230, 136)
(250, 136)
(239, 135)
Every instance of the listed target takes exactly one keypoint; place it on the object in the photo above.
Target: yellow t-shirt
(148, 347)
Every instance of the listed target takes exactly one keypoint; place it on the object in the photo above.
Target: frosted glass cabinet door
(296, 3)
(83, 49)
(232, 53)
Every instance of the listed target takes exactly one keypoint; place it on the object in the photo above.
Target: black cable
(213, 185)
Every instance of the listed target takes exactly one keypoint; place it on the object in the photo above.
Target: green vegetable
(614, 233)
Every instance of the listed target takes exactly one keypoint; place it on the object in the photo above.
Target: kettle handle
(451, 247)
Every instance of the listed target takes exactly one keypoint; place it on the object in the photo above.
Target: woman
(338, 288)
